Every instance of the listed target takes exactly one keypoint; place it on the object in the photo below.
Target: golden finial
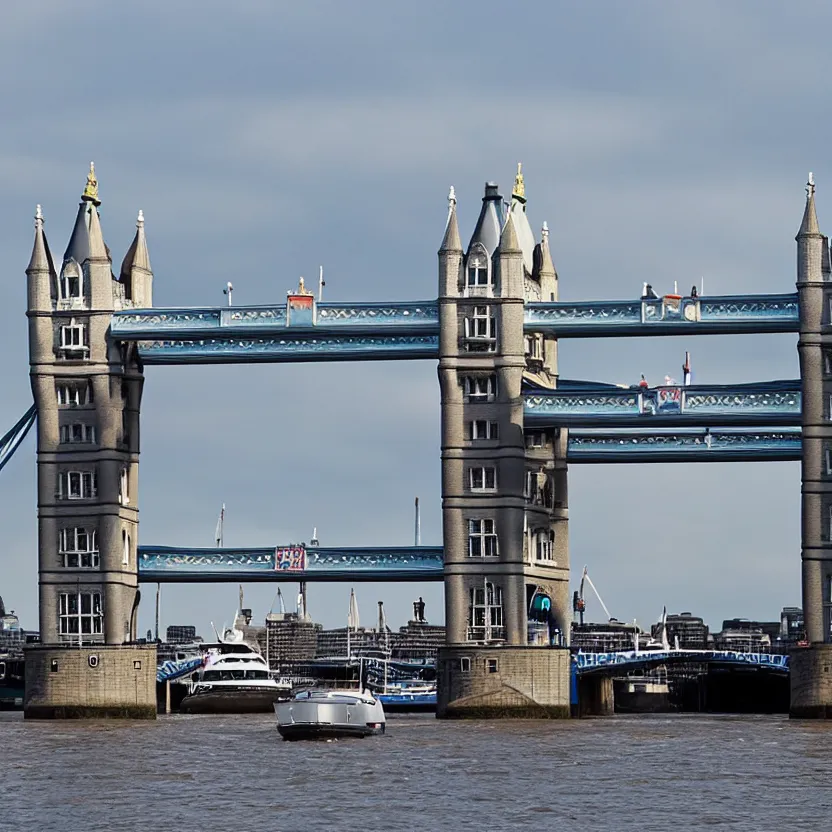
(519, 185)
(91, 190)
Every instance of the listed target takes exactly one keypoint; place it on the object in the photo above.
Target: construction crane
(579, 602)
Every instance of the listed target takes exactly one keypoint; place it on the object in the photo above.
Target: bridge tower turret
(811, 683)
(495, 663)
(87, 389)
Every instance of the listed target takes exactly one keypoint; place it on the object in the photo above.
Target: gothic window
(78, 548)
(482, 539)
(123, 487)
(827, 455)
(483, 429)
(535, 440)
(485, 613)
(74, 338)
(80, 615)
(73, 393)
(480, 388)
(77, 434)
(478, 273)
(533, 347)
(482, 479)
(125, 541)
(71, 284)
(77, 485)
(481, 330)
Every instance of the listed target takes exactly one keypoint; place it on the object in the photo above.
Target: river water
(235, 774)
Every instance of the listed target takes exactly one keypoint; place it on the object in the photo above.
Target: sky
(660, 141)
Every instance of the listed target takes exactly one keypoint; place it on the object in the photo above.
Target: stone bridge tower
(503, 490)
(87, 389)
(811, 667)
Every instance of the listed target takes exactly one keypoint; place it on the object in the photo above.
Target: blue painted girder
(331, 332)
(167, 564)
(763, 404)
(669, 315)
(716, 445)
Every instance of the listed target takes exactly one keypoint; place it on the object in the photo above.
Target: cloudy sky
(661, 141)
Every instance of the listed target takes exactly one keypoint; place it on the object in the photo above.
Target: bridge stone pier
(504, 514)
(87, 390)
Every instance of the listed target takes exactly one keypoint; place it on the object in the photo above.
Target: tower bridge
(510, 426)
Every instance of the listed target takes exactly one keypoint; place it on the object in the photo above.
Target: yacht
(330, 714)
(234, 679)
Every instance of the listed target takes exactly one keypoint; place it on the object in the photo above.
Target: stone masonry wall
(62, 683)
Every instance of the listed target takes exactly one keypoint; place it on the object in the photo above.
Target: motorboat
(330, 714)
(234, 679)
(409, 696)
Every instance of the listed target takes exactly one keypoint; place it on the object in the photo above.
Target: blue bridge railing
(167, 564)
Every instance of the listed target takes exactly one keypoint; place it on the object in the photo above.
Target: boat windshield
(233, 675)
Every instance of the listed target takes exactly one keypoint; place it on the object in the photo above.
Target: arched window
(71, 285)
(478, 278)
(125, 540)
(124, 487)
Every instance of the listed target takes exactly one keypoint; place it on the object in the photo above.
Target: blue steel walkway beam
(327, 332)
(764, 404)
(611, 663)
(684, 446)
(167, 564)
(673, 315)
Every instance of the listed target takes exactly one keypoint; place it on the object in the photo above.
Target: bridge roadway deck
(167, 564)
(410, 330)
(627, 660)
(761, 404)
(587, 447)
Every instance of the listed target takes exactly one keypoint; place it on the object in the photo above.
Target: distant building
(417, 640)
(744, 636)
(607, 637)
(691, 631)
(291, 638)
(180, 634)
(792, 627)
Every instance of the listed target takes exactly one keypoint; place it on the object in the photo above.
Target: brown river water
(235, 774)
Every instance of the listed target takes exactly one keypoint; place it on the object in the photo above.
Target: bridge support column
(811, 666)
(504, 524)
(595, 695)
(87, 388)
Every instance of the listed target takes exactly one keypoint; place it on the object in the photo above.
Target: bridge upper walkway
(410, 330)
(168, 564)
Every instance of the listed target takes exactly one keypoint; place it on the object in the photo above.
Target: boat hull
(321, 719)
(232, 702)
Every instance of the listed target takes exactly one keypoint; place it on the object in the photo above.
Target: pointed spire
(91, 188)
(546, 267)
(519, 190)
(98, 248)
(137, 256)
(809, 226)
(451, 241)
(508, 239)
(41, 259)
(487, 229)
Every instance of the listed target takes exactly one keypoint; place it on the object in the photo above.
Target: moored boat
(330, 714)
(234, 679)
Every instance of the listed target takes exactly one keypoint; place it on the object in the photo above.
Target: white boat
(330, 714)
(233, 679)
